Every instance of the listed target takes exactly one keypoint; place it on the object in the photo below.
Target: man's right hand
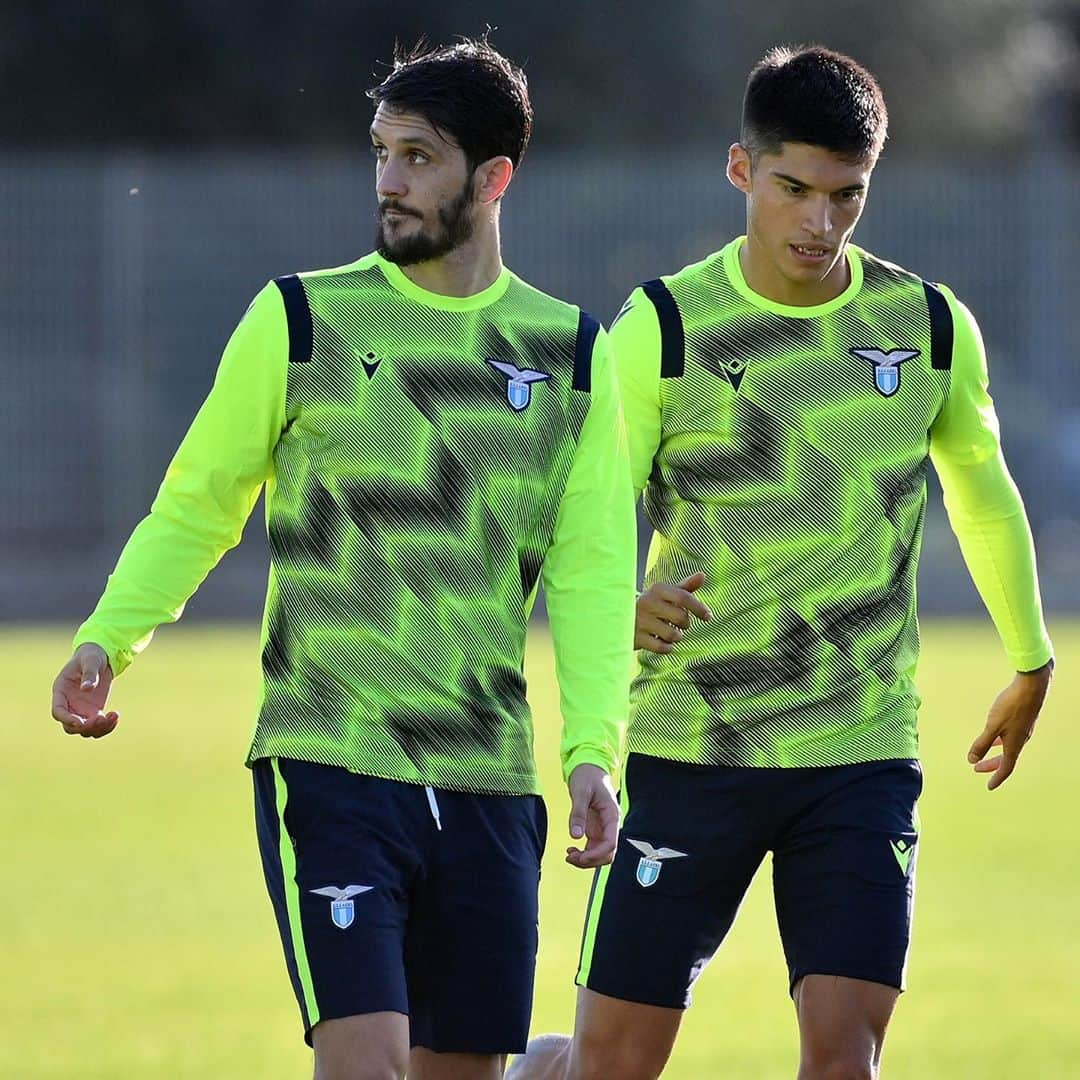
(594, 815)
(663, 613)
(81, 691)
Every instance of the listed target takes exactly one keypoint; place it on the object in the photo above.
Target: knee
(838, 1067)
(597, 1058)
(383, 1067)
(365, 1071)
(373, 1046)
(547, 1057)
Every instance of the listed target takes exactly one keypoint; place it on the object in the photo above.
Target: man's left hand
(1010, 724)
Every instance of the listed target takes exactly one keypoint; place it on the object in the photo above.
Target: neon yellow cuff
(119, 658)
(591, 755)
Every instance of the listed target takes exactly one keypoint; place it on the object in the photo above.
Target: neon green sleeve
(636, 346)
(588, 576)
(208, 493)
(984, 506)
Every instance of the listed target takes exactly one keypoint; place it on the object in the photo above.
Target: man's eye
(417, 158)
(377, 150)
(794, 189)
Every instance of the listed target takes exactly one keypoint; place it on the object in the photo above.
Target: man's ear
(739, 168)
(492, 178)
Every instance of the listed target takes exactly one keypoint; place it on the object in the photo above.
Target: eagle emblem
(342, 909)
(651, 862)
(886, 367)
(519, 383)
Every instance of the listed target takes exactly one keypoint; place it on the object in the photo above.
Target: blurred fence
(123, 276)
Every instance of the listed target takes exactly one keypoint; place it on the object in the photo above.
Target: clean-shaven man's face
(802, 206)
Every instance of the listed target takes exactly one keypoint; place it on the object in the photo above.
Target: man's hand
(594, 814)
(1010, 724)
(663, 613)
(80, 692)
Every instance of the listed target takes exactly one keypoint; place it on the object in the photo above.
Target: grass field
(137, 939)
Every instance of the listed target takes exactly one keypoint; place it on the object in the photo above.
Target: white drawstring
(434, 806)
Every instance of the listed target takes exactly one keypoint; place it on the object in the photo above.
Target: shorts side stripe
(596, 903)
(911, 914)
(292, 902)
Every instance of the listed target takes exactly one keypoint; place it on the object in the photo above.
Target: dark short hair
(468, 91)
(809, 94)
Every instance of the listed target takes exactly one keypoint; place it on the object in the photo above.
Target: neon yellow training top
(783, 452)
(427, 459)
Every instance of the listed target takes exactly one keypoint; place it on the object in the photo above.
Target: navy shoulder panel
(941, 328)
(298, 316)
(672, 337)
(587, 330)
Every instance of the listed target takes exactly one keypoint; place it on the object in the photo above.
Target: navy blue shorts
(382, 906)
(843, 840)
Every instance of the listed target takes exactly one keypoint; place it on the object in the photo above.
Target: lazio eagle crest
(518, 383)
(650, 864)
(886, 367)
(342, 908)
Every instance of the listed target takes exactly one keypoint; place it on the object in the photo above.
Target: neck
(763, 276)
(466, 270)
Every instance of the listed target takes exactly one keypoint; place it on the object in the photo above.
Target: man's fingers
(982, 744)
(578, 816)
(655, 607)
(72, 722)
(1012, 746)
(692, 583)
(91, 662)
(1001, 766)
(659, 628)
(594, 814)
(99, 732)
(60, 710)
(597, 852)
(92, 727)
(603, 836)
(653, 644)
(602, 848)
(1003, 771)
(100, 726)
(692, 604)
(682, 599)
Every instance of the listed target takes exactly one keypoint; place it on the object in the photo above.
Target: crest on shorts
(886, 367)
(651, 862)
(342, 909)
(518, 383)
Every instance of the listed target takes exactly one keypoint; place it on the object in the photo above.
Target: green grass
(137, 939)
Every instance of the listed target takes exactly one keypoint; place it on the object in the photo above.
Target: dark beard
(456, 226)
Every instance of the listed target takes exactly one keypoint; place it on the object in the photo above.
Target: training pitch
(138, 941)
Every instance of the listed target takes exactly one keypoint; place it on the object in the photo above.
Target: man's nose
(818, 219)
(390, 182)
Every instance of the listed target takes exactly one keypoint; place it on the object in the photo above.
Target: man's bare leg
(374, 1046)
(842, 1026)
(427, 1065)
(611, 1038)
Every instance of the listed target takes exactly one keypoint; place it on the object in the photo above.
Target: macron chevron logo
(903, 852)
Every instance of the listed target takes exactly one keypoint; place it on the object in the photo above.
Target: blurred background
(158, 163)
